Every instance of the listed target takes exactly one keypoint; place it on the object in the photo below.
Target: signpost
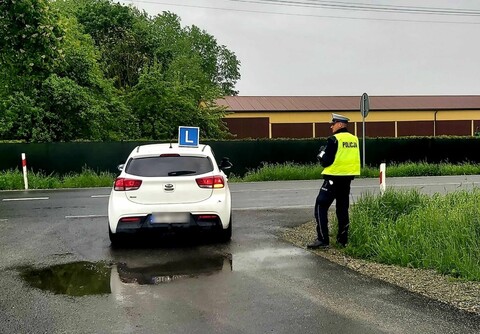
(364, 108)
(188, 136)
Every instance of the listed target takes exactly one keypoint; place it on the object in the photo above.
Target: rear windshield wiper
(181, 172)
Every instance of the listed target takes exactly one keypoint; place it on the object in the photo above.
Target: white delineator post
(24, 166)
(382, 178)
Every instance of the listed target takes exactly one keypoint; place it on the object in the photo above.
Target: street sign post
(364, 105)
(188, 136)
(364, 109)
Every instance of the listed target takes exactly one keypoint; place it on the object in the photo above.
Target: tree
(218, 62)
(121, 34)
(130, 40)
(164, 101)
(22, 119)
(30, 41)
(68, 98)
(96, 70)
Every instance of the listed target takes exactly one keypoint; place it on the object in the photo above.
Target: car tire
(225, 235)
(115, 239)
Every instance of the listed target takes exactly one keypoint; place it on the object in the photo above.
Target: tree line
(97, 70)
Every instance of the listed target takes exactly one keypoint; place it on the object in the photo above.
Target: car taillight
(207, 217)
(130, 220)
(123, 184)
(211, 182)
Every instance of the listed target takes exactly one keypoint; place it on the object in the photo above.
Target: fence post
(24, 166)
(382, 178)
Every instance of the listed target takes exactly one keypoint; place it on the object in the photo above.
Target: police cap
(339, 118)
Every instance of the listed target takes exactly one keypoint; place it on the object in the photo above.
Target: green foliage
(130, 41)
(228, 71)
(81, 57)
(73, 112)
(405, 228)
(30, 41)
(99, 70)
(165, 101)
(21, 118)
(68, 108)
(121, 34)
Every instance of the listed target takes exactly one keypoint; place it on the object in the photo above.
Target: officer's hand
(321, 153)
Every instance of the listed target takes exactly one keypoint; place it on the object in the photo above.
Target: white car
(166, 186)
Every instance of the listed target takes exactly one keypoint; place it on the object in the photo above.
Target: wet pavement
(60, 275)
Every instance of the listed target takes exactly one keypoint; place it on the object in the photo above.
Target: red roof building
(389, 116)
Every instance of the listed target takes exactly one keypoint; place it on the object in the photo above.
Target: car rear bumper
(120, 208)
(145, 225)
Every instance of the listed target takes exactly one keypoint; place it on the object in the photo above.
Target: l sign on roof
(188, 136)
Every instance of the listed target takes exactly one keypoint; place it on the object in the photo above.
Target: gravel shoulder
(460, 294)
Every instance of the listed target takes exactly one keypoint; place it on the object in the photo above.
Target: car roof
(151, 149)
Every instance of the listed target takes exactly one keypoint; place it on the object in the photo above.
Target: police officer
(341, 161)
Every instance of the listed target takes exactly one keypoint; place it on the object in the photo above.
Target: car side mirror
(225, 164)
(120, 167)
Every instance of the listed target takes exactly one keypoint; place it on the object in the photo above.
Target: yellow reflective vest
(347, 158)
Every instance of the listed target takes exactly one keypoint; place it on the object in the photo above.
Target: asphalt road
(60, 275)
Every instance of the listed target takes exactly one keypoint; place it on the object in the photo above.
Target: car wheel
(226, 234)
(115, 239)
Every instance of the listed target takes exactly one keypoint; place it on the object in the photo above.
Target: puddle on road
(72, 279)
(174, 270)
(95, 278)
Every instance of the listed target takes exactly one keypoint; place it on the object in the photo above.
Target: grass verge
(13, 180)
(406, 228)
(291, 171)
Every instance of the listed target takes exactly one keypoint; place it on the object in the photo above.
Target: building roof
(347, 103)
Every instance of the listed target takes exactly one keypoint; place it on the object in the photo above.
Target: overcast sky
(292, 50)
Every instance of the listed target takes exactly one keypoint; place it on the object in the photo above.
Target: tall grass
(424, 169)
(406, 228)
(285, 171)
(13, 180)
(292, 171)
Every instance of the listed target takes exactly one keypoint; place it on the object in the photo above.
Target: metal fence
(64, 158)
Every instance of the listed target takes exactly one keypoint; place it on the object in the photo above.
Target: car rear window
(169, 166)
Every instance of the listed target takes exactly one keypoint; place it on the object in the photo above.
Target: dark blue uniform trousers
(335, 188)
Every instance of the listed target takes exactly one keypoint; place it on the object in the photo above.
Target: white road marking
(99, 196)
(3, 220)
(24, 199)
(269, 189)
(275, 207)
(358, 186)
(85, 216)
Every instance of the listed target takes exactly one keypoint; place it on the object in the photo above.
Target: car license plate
(170, 217)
